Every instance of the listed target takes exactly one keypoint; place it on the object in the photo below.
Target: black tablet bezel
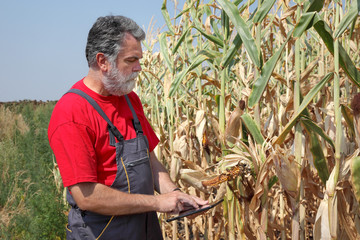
(194, 211)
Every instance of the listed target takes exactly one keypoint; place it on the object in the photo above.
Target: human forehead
(130, 47)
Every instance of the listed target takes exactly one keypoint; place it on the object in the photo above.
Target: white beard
(117, 83)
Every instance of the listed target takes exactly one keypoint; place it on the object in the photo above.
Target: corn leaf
(253, 128)
(202, 56)
(196, 14)
(355, 176)
(349, 118)
(181, 39)
(345, 62)
(237, 2)
(313, 19)
(186, 9)
(189, 40)
(212, 38)
(231, 52)
(308, 98)
(215, 27)
(316, 149)
(166, 16)
(243, 31)
(261, 83)
(244, 6)
(263, 11)
(207, 10)
(314, 6)
(304, 23)
(312, 127)
(348, 19)
(164, 51)
(225, 25)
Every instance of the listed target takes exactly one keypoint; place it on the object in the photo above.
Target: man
(104, 145)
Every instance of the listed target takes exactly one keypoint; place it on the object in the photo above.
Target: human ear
(102, 62)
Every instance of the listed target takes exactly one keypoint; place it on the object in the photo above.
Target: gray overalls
(133, 175)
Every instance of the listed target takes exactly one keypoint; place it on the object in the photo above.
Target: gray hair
(107, 34)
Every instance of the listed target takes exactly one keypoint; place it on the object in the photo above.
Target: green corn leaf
(355, 176)
(231, 52)
(261, 83)
(305, 22)
(212, 38)
(214, 26)
(312, 127)
(181, 40)
(186, 9)
(164, 51)
(318, 157)
(345, 61)
(189, 46)
(182, 12)
(348, 19)
(243, 30)
(225, 25)
(308, 98)
(202, 56)
(313, 19)
(253, 128)
(166, 16)
(245, 5)
(237, 2)
(207, 10)
(352, 29)
(196, 15)
(324, 31)
(263, 11)
(314, 6)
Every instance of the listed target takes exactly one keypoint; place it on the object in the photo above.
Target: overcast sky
(42, 42)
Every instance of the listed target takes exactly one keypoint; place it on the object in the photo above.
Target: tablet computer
(194, 211)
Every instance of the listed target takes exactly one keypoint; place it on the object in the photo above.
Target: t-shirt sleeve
(148, 130)
(72, 145)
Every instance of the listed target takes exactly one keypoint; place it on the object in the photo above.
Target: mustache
(133, 75)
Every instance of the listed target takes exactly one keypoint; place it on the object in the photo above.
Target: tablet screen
(194, 211)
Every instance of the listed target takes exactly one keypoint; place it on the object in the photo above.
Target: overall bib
(133, 175)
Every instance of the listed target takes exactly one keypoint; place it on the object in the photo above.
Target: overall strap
(136, 121)
(113, 131)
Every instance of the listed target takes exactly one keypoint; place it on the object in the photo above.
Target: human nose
(137, 67)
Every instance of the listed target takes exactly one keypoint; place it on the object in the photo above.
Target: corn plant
(251, 102)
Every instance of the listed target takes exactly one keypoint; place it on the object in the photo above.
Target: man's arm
(105, 200)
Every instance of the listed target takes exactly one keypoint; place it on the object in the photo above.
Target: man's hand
(176, 201)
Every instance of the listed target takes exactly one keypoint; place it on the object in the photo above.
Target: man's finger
(188, 200)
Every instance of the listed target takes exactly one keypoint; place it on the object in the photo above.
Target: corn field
(251, 102)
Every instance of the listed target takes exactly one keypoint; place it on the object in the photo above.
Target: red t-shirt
(79, 136)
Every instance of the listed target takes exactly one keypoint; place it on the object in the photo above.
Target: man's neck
(94, 83)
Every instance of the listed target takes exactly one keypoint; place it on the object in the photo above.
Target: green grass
(31, 205)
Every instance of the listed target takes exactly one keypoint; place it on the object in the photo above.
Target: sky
(42, 42)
